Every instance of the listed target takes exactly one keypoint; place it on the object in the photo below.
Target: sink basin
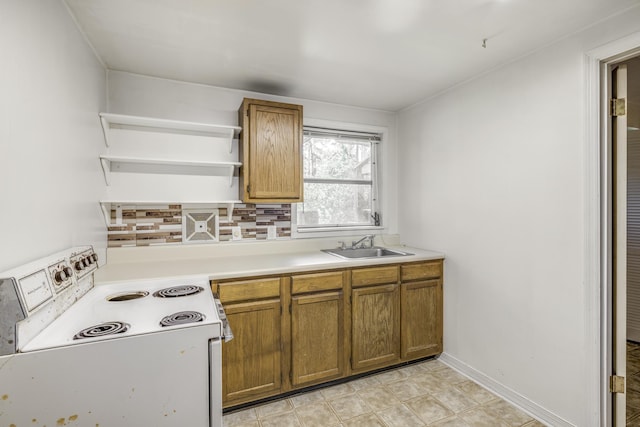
(374, 252)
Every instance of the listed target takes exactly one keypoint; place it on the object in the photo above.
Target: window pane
(335, 204)
(336, 159)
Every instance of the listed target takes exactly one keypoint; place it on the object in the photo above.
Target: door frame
(597, 223)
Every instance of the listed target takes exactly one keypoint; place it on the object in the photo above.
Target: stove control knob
(89, 260)
(94, 257)
(85, 262)
(79, 265)
(60, 276)
(67, 271)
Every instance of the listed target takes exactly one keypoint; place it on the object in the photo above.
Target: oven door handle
(227, 333)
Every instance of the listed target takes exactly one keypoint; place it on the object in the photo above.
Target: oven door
(215, 383)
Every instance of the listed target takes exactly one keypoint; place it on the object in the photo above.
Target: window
(340, 174)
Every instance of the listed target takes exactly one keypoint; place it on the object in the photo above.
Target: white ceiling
(383, 54)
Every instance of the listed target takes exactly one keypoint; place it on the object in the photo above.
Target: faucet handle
(342, 245)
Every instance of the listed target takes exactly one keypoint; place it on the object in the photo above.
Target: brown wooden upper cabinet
(271, 152)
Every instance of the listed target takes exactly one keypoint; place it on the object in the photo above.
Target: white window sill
(308, 232)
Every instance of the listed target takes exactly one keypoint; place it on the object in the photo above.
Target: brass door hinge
(616, 384)
(618, 107)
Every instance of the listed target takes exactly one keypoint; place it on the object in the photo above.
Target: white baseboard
(516, 399)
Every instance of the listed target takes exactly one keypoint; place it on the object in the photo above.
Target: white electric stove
(143, 353)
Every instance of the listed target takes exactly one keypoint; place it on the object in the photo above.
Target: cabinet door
(317, 338)
(375, 323)
(421, 319)
(274, 153)
(251, 361)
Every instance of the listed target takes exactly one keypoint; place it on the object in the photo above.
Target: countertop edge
(239, 266)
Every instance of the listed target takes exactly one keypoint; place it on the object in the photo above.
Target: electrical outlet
(236, 233)
(271, 232)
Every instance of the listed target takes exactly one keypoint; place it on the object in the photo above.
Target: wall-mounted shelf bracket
(106, 169)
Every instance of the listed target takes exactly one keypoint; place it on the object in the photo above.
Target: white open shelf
(110, 121)
(107, 205)
(111, 164)
(151, 161)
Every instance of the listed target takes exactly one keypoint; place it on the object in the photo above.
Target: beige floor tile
(633, 366)
(378, 397)
(455, 400)
(367, 420)
(392, 376)
(365, 382)
(633, 383)
(240, 417)
(307, 398)
(350, 406)
(633, 419)
(476, 392)
(426, 393)
(451, 376)
(633, 400)
(434, 365)
(451, 422)
(276, 407)
(416, 368)
(535, 423)
(431, 383)
(478, 417)
(507, 413)
(337, 390)
(399, 416)
(317, 414)
(288, 419)
(429, 409)
(255, 423)
(406, 389)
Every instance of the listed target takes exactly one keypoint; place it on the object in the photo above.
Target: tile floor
(633, 384)
(424, 394)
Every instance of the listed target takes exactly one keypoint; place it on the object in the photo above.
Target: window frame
(329, 231)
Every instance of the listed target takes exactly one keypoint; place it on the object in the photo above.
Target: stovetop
(123, 310)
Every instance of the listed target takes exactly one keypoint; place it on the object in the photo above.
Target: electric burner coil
(103, 329)
(178, 291)
(181, 318)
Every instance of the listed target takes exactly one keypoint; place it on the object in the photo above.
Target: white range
(143, 353)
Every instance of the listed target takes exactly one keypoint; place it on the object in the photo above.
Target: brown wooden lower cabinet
(317, 338)
(375, 326)
(251, 361)
(421, 318)
(299, 330)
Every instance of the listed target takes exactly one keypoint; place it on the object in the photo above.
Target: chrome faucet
(370, 237)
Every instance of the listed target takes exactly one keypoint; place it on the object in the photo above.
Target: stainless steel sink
(374, 252)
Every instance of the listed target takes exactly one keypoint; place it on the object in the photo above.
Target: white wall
(51, 89)
(494, 172)
(153, 97)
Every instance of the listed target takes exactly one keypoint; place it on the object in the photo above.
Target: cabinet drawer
(248, 290)
(374, 276)
(316, 282)
(425, 270)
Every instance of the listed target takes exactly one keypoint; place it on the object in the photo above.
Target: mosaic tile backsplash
(162, 224)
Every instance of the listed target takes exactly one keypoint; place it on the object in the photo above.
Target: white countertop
(244, 265)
